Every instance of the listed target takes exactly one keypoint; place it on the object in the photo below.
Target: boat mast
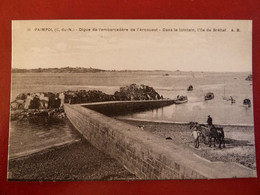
(224, 90)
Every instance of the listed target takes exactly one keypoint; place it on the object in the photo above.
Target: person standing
(210, 121)
(196, 134)
(28, 100)
(62, 98)
(35, 103)
(44, 101)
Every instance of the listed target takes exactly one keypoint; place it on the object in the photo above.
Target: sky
(223, 46)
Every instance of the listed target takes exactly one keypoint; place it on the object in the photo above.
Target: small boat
(247, 102)
(190, 88)
(181, 99)
(231, 99)
(249, 78)
(209, 96)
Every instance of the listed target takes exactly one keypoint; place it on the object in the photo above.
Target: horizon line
(177, 70)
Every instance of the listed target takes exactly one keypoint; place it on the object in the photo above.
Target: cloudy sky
(133, 50)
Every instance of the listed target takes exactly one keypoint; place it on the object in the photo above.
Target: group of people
(39, 101)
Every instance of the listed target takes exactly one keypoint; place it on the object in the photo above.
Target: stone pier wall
(146, 155)
(117, 107)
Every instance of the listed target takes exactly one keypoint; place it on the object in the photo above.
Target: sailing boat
(228, 98)
(224, 97)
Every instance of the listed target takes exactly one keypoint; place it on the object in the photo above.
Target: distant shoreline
(95, 70)
(78, 70)
(57, 70)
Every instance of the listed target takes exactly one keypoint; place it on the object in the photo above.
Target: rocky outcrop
(50, 105)
(137, 92)
(131, 92)
(83, 96)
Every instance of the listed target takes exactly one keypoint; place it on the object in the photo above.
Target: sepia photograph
(131, 100)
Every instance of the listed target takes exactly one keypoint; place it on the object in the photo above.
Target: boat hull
(180, 101)
(209, 96)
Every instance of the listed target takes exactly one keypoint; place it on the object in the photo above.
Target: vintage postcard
(131, 100)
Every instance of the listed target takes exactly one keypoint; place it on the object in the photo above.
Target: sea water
(166, 83)
(25, 136)
(222, 110)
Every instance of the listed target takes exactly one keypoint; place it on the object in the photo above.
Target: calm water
(222, 112)
(228, 84)
(28, 137)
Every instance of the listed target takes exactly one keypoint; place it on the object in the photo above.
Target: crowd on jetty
(50, 105)
(36, 106)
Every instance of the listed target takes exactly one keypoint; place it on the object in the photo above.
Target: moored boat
(190, 88)
(209, 96)
(247, 102)
(181, 99)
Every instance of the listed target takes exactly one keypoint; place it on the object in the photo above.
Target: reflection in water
(223, 112)
(196, 109)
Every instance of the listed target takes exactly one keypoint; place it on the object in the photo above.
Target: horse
(217, 133)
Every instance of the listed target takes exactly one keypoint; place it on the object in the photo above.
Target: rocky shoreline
(48, 105)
